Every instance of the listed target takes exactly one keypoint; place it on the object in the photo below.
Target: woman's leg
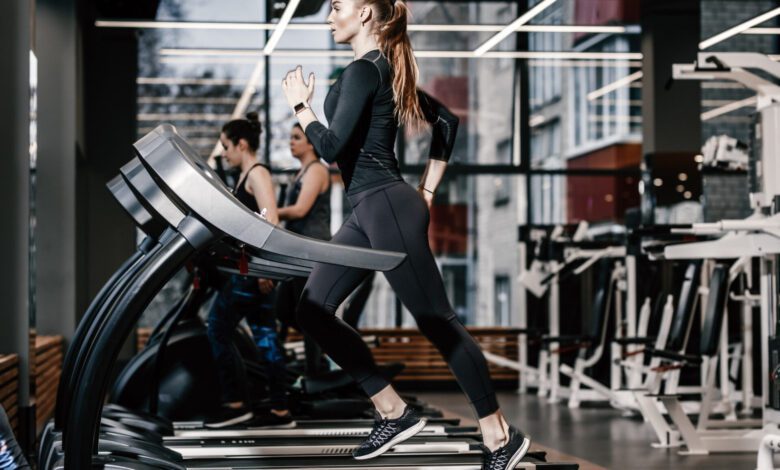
(397, 219)
(287, 296)
(222, 321)
(357, 301)
(327, 287)
(262, 321)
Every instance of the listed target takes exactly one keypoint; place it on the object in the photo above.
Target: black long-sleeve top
(361, 137)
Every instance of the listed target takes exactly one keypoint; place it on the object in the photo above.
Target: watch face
(299, 107)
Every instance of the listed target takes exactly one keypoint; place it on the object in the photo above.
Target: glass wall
(570, 199)
(576, 62)
(585, 112)
(728, 108)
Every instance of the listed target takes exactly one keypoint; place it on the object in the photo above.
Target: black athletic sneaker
(507, 457)
(228, 416)
(389, 432)
(269, 419)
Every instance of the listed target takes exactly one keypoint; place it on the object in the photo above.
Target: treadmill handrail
(137, 191)
(193, 186)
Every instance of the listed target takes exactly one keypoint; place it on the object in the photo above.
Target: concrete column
(15, 36)
(55, 38)
(105, 235)
(670, 115)
(671, 111)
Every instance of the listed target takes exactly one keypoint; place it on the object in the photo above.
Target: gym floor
(597, 438)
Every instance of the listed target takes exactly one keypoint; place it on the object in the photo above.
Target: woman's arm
(432, 176)
(359, 82)
(262, 187)
(444, 127)
(311, 187)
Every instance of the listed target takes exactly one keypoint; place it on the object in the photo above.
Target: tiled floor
(597, 435)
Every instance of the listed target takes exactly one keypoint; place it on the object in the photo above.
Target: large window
(728, 108)
(502, 304)
(512, 159)
(570, 199)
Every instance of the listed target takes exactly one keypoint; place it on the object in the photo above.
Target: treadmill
(330, 440)
(266, 442)
(138, 178)
(212, 215)
(191, 229)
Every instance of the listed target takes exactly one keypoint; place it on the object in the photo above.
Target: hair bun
(254, 122)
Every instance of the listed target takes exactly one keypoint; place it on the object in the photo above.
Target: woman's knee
(437, 321)
(443, 330)
(304, 313)
(310, 310)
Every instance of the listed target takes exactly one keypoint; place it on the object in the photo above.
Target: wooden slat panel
(44, 414)
(11, 412)
(47, 356)
(424, 362)
(8, 389)
(10, 400)
(48, 383)
(48, 388)
(9, 375)
(53, 360)
(43, 342)
(48, 371)
(7, 361)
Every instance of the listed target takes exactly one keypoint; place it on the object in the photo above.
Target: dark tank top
(241, 193)
(316, 222)
(238, 284)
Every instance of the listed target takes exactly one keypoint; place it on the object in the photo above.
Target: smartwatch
(300, 107)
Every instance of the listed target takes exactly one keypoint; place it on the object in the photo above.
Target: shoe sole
(290, 425)
(238, 419)
(396, 440)
(519, 454)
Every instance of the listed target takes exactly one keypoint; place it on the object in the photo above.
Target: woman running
(306, 211)
(373, 95)
(245, 296)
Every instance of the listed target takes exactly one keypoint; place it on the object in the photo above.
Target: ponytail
(395, 45)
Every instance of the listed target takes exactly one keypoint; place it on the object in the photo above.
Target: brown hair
(395, 45)
(248, 129)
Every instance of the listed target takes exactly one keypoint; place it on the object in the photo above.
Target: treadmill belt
(315, 423)
(418, 462)
(303, 432)
(323, 447)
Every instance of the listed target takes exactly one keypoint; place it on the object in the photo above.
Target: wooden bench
(424, 364)
(9, 388)
(47, 372)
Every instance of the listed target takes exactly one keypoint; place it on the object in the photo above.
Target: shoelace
(498, 459)
(383, 430)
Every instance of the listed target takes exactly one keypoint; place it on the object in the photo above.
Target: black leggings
(394, 218)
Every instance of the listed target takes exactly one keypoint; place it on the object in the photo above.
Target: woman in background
(306, 212)
(245, 296)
